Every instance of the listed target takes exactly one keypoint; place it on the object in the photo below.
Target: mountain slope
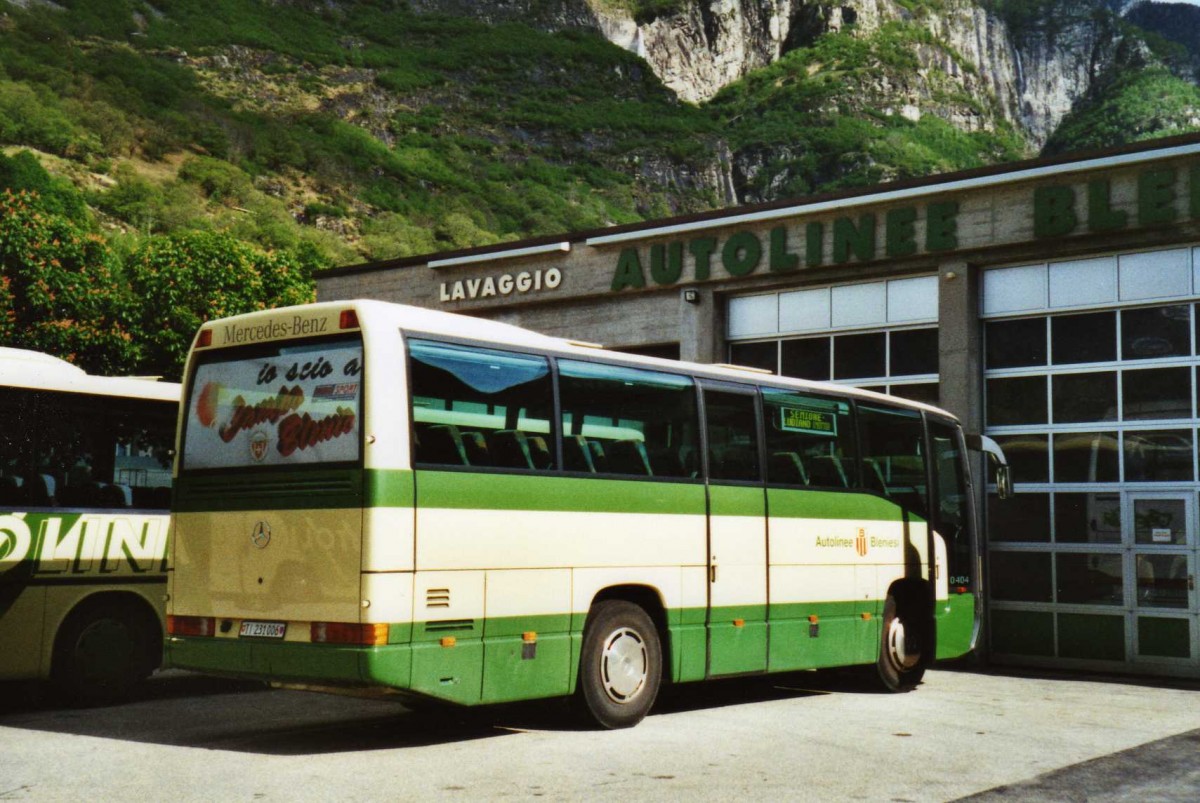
(349, 130)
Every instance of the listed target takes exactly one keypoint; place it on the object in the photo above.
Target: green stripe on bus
(389, 488)
(468, 490)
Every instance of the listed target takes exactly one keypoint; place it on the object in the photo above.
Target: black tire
(620, 668)
(903, 649)
(103, 651)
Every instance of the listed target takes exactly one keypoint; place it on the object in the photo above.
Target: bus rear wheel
(620, 669)
(903, 648)
(102, 652)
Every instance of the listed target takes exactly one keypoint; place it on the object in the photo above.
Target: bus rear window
(283, 405)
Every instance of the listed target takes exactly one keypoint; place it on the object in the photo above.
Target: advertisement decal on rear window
(299, 405)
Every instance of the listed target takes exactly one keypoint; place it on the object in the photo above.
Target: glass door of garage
(1160, 576)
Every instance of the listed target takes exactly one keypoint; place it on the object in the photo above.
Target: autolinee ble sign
(1155, 196)
(744, 252)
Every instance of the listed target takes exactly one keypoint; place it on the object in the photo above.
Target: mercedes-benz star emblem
(261, 535)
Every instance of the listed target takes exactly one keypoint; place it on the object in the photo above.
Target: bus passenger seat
(475, 447)
(786, 468)
(39, 490)
(576, 454)
(116, 496)
(873, 476)
(628, 457)
(667, 463)
(827, 470)
(539, 452)
(510, 449)
(11, 492)
(599, 456)
(442, 444)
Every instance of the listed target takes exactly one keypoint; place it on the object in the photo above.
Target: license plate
(263, 629)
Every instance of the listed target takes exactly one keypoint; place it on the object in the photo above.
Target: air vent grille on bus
(291, 491)
(449, 624)
(437, 598)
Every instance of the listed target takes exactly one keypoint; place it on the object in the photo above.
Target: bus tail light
(205, 339)
(348, 319)
(371, 635)
(191, 625)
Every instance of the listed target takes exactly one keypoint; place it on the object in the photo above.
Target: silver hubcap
(623, 665)
(902, 652)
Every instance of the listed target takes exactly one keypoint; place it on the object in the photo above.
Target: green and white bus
(375, 496)
(85, 489)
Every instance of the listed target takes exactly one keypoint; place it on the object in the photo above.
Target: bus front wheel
(620, 668)
(902, 649)
(102, 652)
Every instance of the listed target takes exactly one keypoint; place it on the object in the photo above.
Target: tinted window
(78, 450)
(914, 351)
(1157, 393)
(1163, 456)
(1021, 400)
(809, 440)
(1087, 518)
(806, 359)
(1086, 457)
(1016, 344)
(732, 435)
(1085, 397)
(1083, 338)
(755, 355)
(1028, 455)
(1025, 517)
(481, 407)
(618, 420)
(858, 356)
(893, 455)
(950, 508)
(1156, 332)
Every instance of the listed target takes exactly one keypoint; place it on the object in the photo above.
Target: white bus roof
(374, 315)
(21, 368)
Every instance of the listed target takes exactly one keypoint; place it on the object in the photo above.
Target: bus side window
(732, 421)
(481, 407)
(634, 422)
(893, 460)
(809, 440)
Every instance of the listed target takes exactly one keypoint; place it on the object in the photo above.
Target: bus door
(737, 531)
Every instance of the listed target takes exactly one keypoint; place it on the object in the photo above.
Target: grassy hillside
(358, 130)
(364, 133)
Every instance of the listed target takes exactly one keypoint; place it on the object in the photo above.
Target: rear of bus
(269, 577)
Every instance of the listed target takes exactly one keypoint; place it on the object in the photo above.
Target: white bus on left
(85, 488)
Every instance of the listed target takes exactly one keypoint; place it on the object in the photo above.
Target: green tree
(60, 289)
(192, 277)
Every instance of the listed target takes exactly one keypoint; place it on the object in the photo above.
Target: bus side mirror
(997, 459)
(1003, 481)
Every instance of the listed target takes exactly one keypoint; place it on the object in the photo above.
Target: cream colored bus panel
(388, 539)
(665, 581)
(528, 592)
(387, 597)
(468, 539)
(282, 565)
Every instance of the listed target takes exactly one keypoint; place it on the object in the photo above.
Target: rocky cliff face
(1031, 80)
